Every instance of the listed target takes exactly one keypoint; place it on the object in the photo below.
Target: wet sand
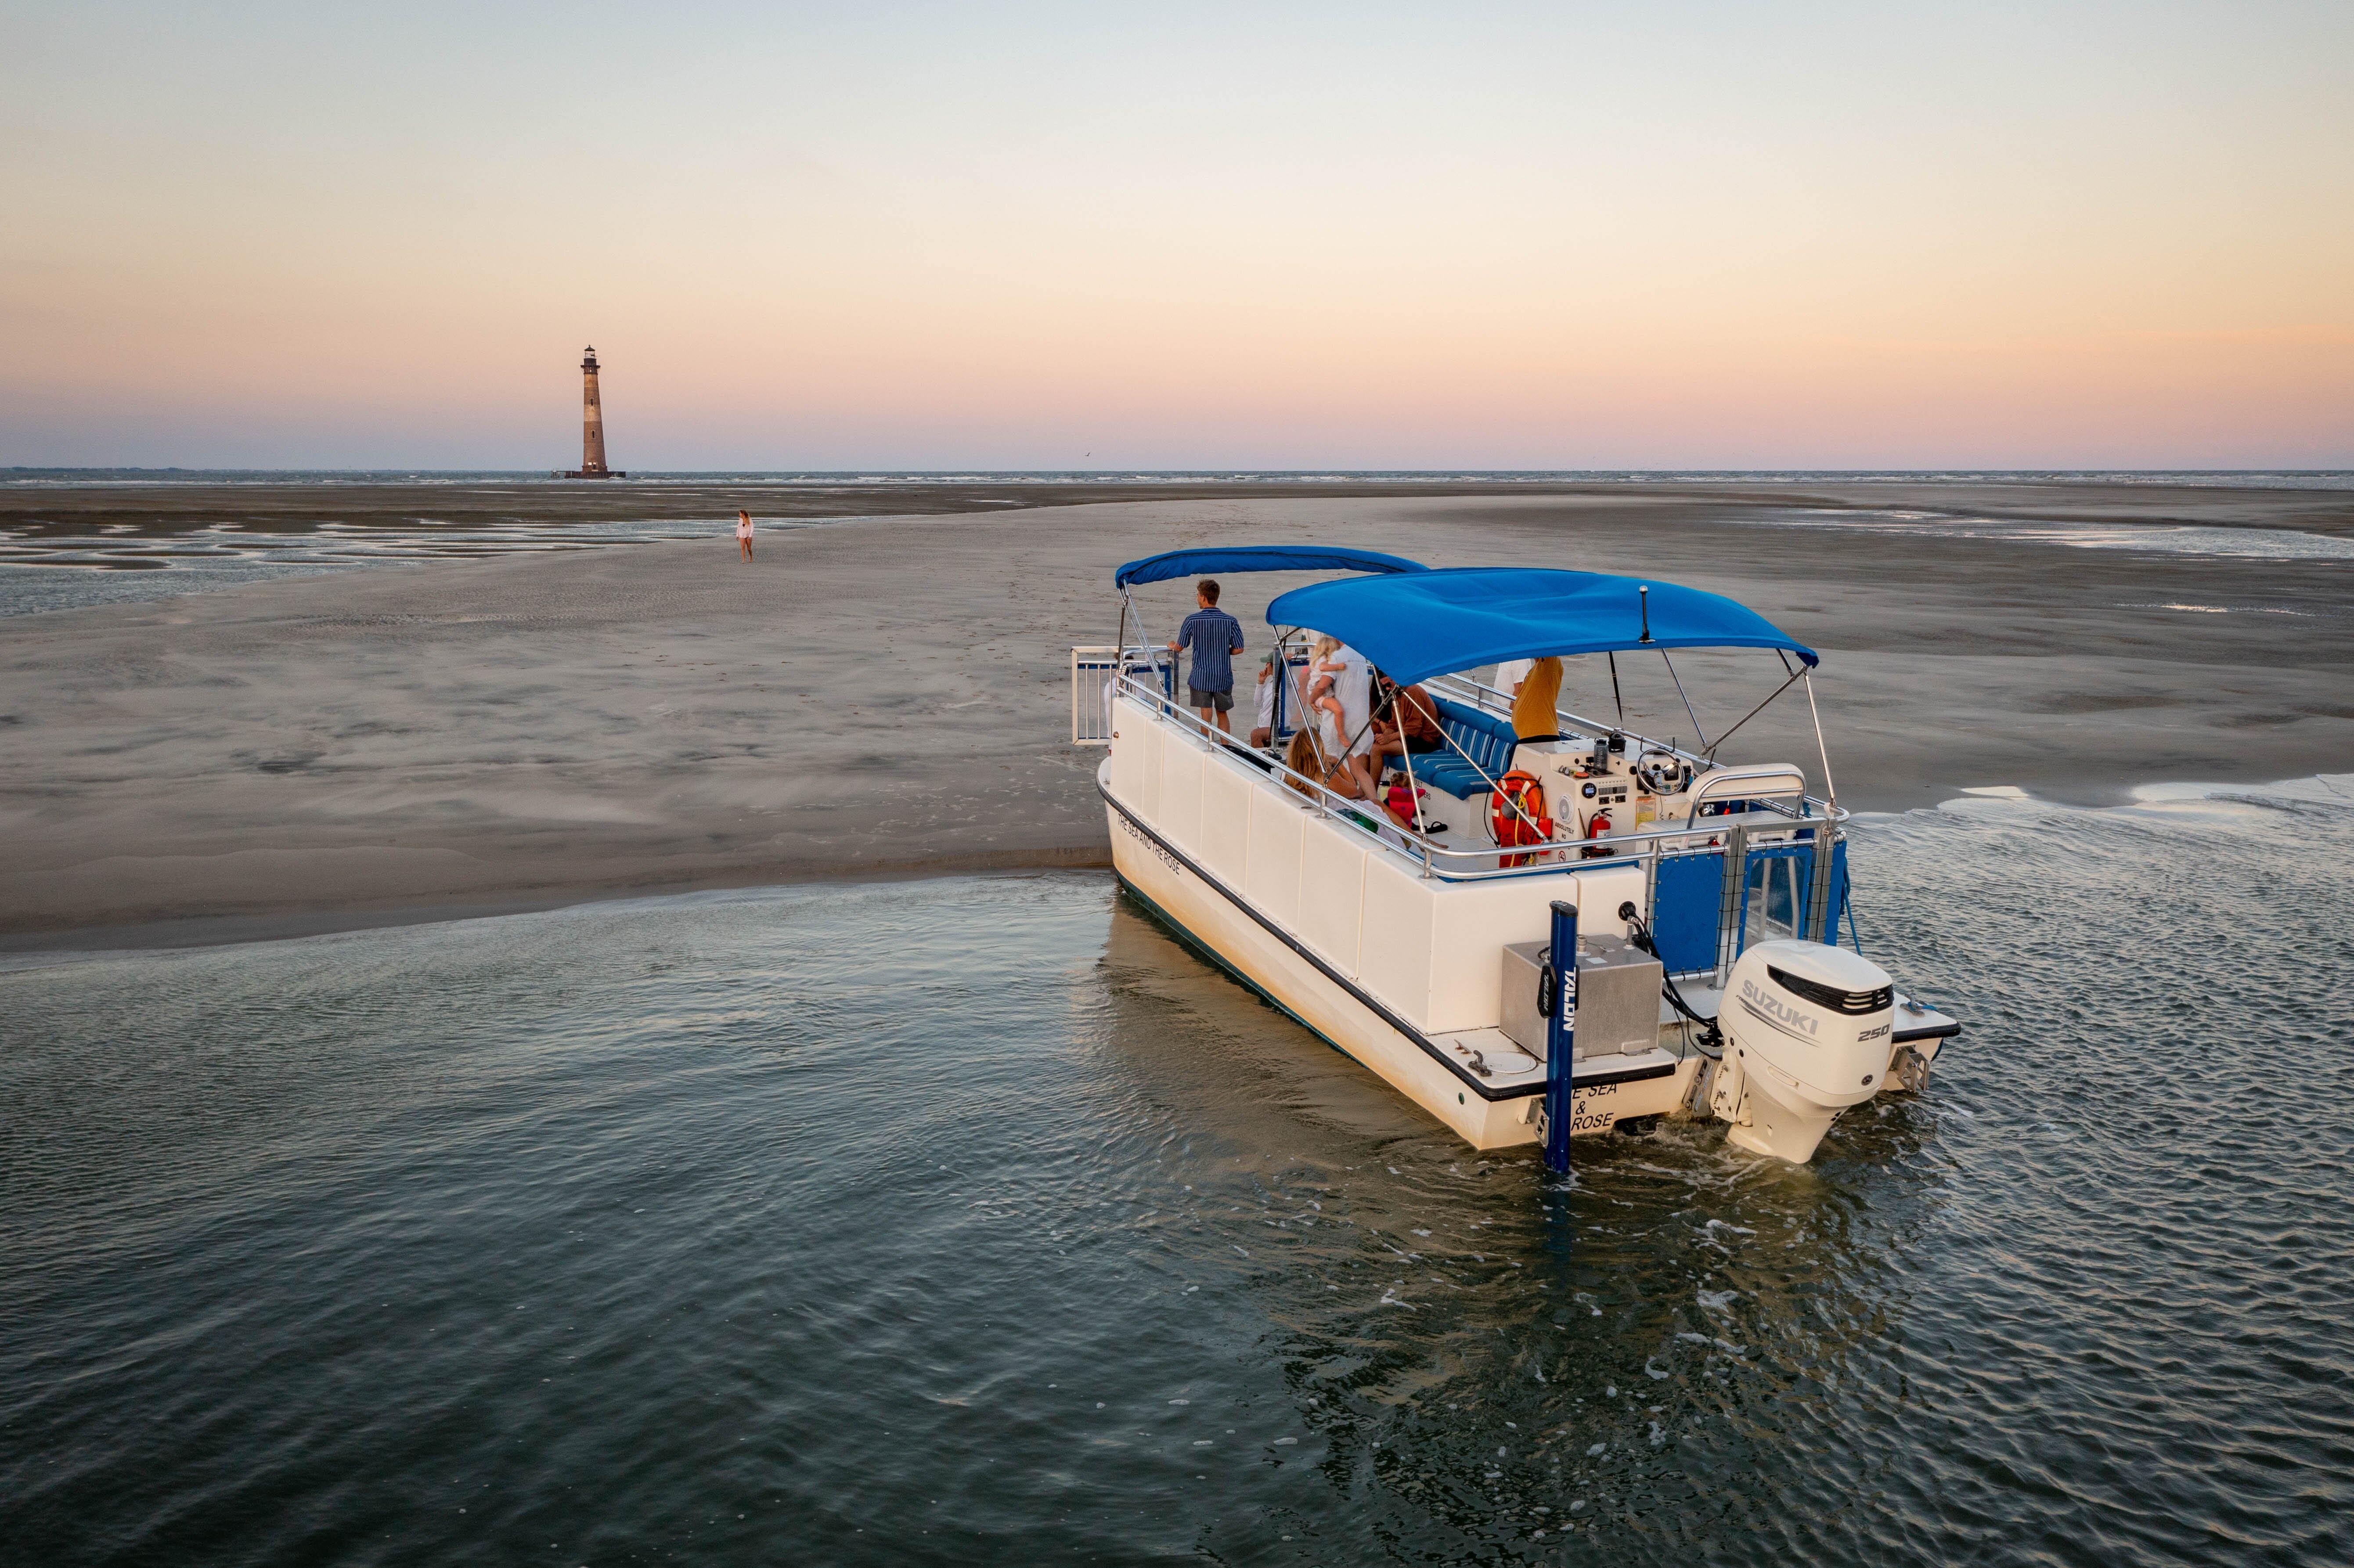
(890, 697)
(34, 512)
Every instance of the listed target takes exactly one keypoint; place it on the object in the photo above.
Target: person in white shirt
(744, 533)
(1510, 674)
(1345, 680)
(1263, 725)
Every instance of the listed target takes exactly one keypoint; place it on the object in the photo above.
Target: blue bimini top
(1259, 558)
(1437, 622)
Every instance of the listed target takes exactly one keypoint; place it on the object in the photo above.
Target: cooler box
(1614, 1004)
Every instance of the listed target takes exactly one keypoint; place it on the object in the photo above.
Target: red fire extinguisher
(1595, 828)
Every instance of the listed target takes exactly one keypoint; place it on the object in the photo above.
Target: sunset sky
(1057, 236)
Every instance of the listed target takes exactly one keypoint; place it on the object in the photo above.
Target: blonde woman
(1307, 760)
(1302, 760)
(1335, 774)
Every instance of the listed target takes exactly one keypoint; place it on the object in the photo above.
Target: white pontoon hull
(1215, 920)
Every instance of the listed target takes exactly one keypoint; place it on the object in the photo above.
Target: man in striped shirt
(1215, 638)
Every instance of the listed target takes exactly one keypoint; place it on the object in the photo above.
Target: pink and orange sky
(1054, 236)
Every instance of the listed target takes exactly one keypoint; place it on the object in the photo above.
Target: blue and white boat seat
(1487, 738)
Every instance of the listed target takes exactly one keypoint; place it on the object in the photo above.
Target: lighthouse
(592, 426)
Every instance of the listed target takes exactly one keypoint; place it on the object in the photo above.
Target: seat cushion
(1487, 739)
(1454, 775)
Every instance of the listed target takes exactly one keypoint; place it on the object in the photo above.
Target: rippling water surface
(980, 1221)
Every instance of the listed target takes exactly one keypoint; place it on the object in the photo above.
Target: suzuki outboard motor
(1806, 1035)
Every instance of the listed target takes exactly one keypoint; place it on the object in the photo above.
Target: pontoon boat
(1560, 935)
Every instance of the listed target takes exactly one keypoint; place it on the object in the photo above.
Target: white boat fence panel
(1093, 669)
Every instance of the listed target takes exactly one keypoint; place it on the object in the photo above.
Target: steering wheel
(1662, 772)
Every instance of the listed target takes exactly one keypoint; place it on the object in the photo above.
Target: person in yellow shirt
(1533, 716)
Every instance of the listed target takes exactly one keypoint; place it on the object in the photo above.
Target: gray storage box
(1614, 1007)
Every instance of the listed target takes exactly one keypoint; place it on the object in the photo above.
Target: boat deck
(1502, 1064)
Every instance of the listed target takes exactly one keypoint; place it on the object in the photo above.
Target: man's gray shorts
(1222, 701)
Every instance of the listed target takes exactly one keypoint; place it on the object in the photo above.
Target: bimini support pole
(1127, 608)
(1678, 680)
(1830, 788)
(1820, 920)
(1413, 791)
(1169, 671)
(1560, 1037)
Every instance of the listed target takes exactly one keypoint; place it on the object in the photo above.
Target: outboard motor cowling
(1806, 1035)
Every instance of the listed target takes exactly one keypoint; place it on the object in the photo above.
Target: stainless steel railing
(1435, 860)
(1465, 690)
(1775, 836)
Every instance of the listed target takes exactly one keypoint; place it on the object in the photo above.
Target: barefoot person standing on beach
(744, 533)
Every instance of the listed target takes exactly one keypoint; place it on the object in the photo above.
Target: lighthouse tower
(592, 427)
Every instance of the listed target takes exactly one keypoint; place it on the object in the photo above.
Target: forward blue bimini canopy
(1259, 558)
(1430, 623)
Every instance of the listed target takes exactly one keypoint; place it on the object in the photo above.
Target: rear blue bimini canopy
(1259, 558)
(1437, 622)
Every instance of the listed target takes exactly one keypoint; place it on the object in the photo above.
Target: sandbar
(889, 698)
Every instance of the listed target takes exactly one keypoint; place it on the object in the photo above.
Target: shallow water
(2256, 478)
(979, 1220)
(118, 564)
(2146, 538)
(69, 565)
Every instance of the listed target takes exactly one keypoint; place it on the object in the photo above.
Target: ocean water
(2148, 538)
(982, 1221)
(116, 564)
(46, 566)
(2261, 478)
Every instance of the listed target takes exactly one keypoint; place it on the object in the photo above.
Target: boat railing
(1472, 693)
(1433, 859)
(1093, 666)
(1712, 885)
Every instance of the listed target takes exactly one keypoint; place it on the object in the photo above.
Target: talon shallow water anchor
(1559, 1039)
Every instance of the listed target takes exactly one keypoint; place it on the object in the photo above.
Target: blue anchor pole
(1558, 1036)
(1281, 675)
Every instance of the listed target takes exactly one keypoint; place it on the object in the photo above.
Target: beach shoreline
(32, 510)
(881, 699)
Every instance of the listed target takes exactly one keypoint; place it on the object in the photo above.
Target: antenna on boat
(1645, 589)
